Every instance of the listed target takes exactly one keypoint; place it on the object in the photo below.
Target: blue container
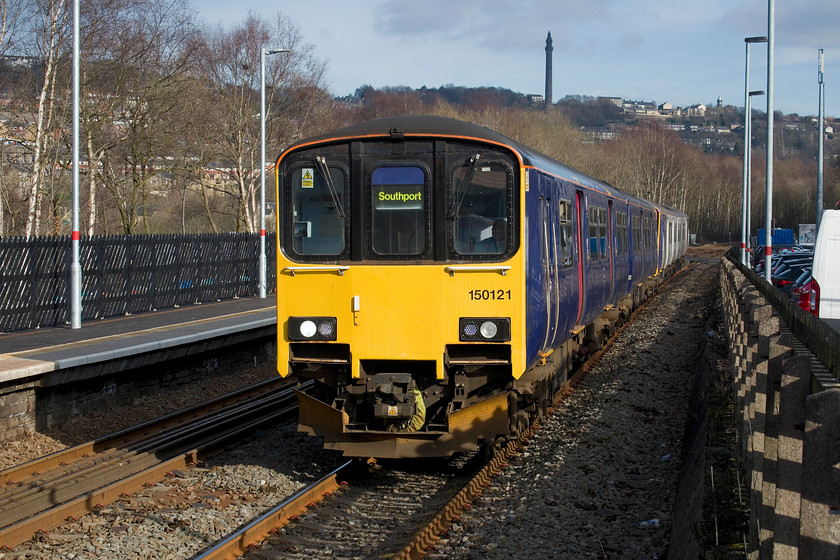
(780, 237)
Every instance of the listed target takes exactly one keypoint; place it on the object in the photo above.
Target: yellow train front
(400, 285)
(439, 281)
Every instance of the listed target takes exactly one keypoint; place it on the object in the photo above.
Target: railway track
(391, 510)
(408, 511)
(40, 495)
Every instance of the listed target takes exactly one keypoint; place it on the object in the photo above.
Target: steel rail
(427, 536)
(238, 543)
(45, 505)
(127, 436)
(57, 477)
(63, 485)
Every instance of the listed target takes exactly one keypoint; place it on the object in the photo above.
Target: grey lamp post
(821, 137)
(75, 265)
(749, 166)
(745, 196)
(262, 280)
(768, 203)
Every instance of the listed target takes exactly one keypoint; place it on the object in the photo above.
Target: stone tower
(548, 50)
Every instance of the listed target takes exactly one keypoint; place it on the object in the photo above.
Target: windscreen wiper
(321, 164)
(461, 190)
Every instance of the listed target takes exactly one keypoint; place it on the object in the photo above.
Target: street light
(768, 197)
(821, 137)
(75, 265)
(745, 194)
(748, 165)
(262, 281)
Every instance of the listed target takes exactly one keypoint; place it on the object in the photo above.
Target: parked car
(825, 285)
(800, 293)
(778, 261)
(785, 278)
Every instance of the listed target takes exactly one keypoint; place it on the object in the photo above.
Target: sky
(681, 51)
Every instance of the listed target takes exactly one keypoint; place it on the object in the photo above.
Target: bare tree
(135, 72)
(13, 16)
(50, 31)
(293, 95)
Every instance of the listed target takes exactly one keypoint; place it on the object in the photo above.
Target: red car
(801, 295)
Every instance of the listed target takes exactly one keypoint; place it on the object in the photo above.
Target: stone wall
(41, 402)
(789, 429)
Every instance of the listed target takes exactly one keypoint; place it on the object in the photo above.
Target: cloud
(631, 41)
(813, 22)
(498, 24)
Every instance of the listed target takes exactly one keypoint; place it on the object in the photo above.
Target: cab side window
(479, 208)
(317, 225)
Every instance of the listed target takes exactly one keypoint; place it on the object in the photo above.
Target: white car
(825, 291)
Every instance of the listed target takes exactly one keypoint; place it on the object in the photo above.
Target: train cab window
(318, 222)
(479, 208)
(566, 236)
(398, 217)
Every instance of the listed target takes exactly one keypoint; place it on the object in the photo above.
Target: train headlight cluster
(484, 329)
(312, 328)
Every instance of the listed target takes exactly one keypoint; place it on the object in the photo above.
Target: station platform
(36, 352)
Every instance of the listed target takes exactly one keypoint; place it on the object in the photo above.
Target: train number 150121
(489, 294)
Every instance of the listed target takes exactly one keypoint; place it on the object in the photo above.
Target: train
(439, 282)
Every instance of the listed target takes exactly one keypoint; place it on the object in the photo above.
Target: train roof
(409, 125)
(434, 126)
(420, 126)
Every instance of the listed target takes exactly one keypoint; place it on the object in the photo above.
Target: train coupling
(394, 396)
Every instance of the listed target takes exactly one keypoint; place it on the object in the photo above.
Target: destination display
(398, 197)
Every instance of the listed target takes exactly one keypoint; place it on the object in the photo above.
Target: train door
(548, 255)
(611, 247)
(671, 241)
(579, 231)
(649, 247)
(623, 260)
(567, 287)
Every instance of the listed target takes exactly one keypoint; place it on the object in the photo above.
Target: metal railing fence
(125, 274)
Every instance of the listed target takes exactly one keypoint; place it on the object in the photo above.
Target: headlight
(307, 329)
(484, 329)
(488, 329)
(312, 328)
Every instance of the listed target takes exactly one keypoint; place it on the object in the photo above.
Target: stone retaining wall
(789, 430)
(40, 402)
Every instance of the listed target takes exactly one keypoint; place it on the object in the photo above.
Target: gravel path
(599, 479)
(192, 509)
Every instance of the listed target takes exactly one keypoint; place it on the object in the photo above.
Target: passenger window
(317, 227)
(398, 221)
(598, 233)
(602, 215)
(620, 233)
(566, 237)
(479, 208)
(637, 233)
